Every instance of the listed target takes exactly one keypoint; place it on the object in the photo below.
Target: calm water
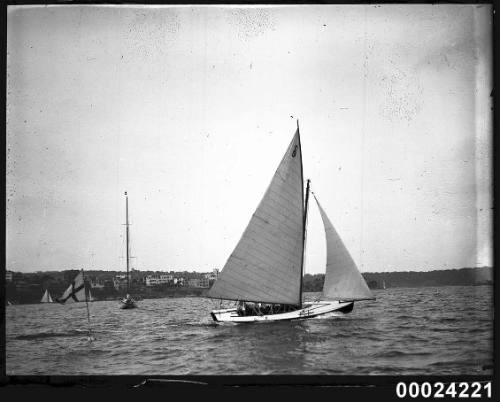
(439, 330)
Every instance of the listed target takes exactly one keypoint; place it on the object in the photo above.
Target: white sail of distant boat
(46, 298)
(383, 284)
(264, 272)
(91, 299)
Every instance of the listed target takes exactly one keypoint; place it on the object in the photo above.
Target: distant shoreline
(32, 291)
(203, 294)
(414, 279)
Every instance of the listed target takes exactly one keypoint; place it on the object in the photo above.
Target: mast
(305, 219)
(87, 304)
(304, 241)
(126, 231)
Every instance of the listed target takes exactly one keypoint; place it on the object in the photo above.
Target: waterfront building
(156, 280)
(179, 281)
(198, 283)
(96, 283)
(212, 276)
(120, 282)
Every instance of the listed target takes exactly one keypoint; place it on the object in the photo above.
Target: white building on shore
(120, 282)
(156, 280)
(212, 276)
(198, 283)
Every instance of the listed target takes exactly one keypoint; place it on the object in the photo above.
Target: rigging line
(365, 73)
(87, 304)
(306, 207)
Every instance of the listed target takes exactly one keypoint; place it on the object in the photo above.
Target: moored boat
(127, 302)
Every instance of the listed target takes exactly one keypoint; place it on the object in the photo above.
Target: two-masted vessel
(264, 272)
(127, 302)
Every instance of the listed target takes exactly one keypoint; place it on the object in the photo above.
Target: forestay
(343, 281)
(266, 264)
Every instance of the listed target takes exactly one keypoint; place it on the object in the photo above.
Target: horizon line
(319, 273)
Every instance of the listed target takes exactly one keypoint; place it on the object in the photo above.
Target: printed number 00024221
(441, 390)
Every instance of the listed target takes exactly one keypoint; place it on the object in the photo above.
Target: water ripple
(405, 331)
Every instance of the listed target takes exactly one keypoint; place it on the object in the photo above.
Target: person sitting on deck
(241, 308)
(266, 309)
(249, 309)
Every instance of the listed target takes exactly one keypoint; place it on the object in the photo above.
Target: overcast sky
(190, 110)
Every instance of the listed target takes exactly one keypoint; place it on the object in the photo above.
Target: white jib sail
(46, 297)
(266, 264)
(343, 281)
(75, 292)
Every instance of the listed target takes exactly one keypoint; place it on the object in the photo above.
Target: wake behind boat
(264, 272)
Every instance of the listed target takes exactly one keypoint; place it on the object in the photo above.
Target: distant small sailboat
(383, 284)
(46, 298)
(264, 273)
(91, 299)
(76, 293)
(127, 302)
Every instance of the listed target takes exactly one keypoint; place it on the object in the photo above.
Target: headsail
(46, 298)
(75, 291)
(266, 264)
(343, 281)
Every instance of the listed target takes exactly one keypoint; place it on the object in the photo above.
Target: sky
(190, 110)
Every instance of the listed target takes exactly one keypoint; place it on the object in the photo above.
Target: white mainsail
(46, 298)
(266, 264)
(75, 292)
(343, 281)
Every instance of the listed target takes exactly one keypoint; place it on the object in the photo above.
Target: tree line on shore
(447, 277)
(29, 287)
(35, 284)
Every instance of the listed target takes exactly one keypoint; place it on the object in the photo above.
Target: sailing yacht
(91, 299)
(75, 292)
(264, 272)
(46, 298)
(127, 302)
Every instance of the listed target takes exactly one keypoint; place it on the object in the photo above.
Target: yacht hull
(127, 304)
(310, 310)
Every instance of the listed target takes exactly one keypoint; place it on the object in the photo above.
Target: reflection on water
(446, 330)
